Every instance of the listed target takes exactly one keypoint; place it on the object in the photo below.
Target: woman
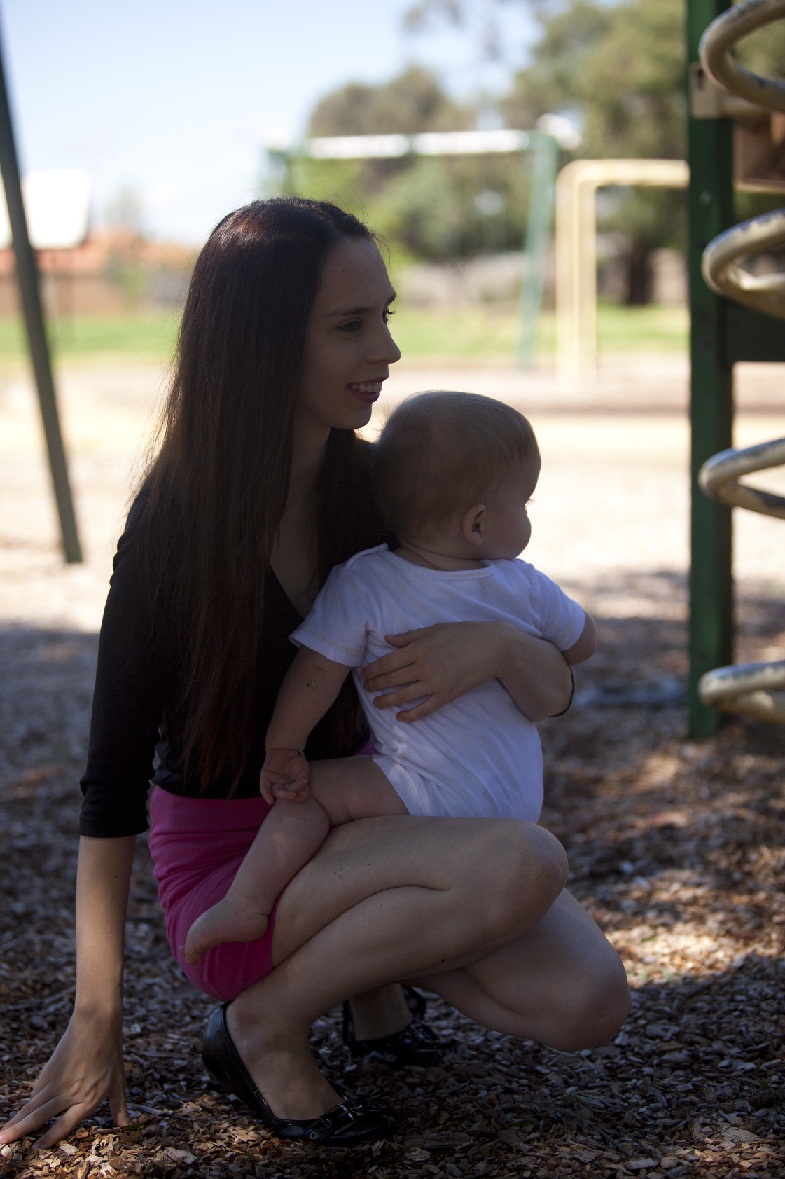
(258, 488)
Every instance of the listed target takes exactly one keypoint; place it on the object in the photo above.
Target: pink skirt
(197, 845)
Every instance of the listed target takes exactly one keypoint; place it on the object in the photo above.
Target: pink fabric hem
(197, 845)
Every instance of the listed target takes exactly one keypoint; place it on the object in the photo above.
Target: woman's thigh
(490, 866)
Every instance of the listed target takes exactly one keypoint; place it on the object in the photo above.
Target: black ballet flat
(415, 1045)
(350, 1124)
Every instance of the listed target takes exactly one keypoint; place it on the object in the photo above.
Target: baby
(453, 473)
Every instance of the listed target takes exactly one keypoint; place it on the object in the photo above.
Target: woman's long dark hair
(218, 486)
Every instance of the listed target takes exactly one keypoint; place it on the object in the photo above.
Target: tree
(433, 208)
(619, 68)
(414, 101)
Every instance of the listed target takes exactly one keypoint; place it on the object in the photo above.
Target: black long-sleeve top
(135, 730)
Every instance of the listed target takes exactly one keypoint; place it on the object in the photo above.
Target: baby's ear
(473, 524)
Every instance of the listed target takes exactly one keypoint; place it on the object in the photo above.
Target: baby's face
(508, 528)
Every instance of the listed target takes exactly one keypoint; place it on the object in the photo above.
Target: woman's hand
(85, 1068)
(431, 666)
(436, 664)
(439, 663)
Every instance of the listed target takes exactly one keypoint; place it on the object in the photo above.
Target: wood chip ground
(676, 847)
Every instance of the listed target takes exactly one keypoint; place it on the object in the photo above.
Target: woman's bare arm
(86, 1067)
(445, 661)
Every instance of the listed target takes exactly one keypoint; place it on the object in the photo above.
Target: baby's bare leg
(351, 788)
(286, 840)
(341, 790)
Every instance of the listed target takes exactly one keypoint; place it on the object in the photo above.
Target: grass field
(471, 334)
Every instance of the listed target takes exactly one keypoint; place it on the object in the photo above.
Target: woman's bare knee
(526, 869)
(594, 1009)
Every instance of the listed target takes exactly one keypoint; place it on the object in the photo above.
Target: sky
(172, 99)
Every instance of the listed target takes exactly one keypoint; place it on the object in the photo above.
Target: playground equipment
(723, 269)
(32, 307)
(754, 689)
(540, 145)
(576, 249)
(721, 336)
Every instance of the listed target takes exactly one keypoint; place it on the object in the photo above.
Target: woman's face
(348, 347)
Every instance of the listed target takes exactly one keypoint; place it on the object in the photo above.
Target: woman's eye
(351, 326)
(388, 313)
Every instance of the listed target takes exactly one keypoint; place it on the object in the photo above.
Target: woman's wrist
(509, 649)
(534, 673)
(101, 1010)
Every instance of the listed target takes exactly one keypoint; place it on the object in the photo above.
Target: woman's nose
(388, 350)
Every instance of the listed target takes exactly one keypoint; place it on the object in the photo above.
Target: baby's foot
(225, 922)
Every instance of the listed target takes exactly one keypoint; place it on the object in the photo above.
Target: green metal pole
(30, 293)
(544, 156)
(710, 211)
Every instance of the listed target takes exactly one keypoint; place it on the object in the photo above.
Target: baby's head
(442, 454)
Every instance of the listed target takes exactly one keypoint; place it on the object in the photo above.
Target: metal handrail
(719, 477)
(721, 258)
(721, 36)
(750, 689)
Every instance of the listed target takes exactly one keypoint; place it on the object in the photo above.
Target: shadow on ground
(675, 847)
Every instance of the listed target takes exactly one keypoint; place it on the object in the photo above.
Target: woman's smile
(368, 391)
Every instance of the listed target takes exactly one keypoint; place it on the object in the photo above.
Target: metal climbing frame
(722, 333)
(754, 689)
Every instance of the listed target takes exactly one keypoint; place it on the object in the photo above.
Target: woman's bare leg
(384, 900)
(379, 1013)
(561, 983)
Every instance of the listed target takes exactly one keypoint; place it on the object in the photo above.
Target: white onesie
(478, 755)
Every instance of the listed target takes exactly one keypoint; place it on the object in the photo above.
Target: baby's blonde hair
(441, 452)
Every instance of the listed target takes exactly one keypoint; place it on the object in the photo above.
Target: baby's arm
(585, 646)
(309, 687)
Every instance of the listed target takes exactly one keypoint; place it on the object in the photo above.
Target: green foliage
(429, 207)
(432, 208)
(554, 78)
(620, 68)
(414, 101)
(633, 88)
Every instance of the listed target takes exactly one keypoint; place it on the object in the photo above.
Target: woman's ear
(473, 524)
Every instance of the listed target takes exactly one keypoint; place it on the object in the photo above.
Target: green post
(544, 154)
(710, 211)
(29, 289)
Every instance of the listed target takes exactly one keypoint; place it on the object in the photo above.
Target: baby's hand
(285, 774)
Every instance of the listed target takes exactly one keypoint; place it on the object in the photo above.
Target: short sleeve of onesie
(338, 623)
(560, 619)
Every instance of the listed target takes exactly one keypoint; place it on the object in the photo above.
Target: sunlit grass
(483, 334)
(146, 337)
(493, 335)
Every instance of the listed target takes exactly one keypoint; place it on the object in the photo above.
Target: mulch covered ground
(676, 847)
